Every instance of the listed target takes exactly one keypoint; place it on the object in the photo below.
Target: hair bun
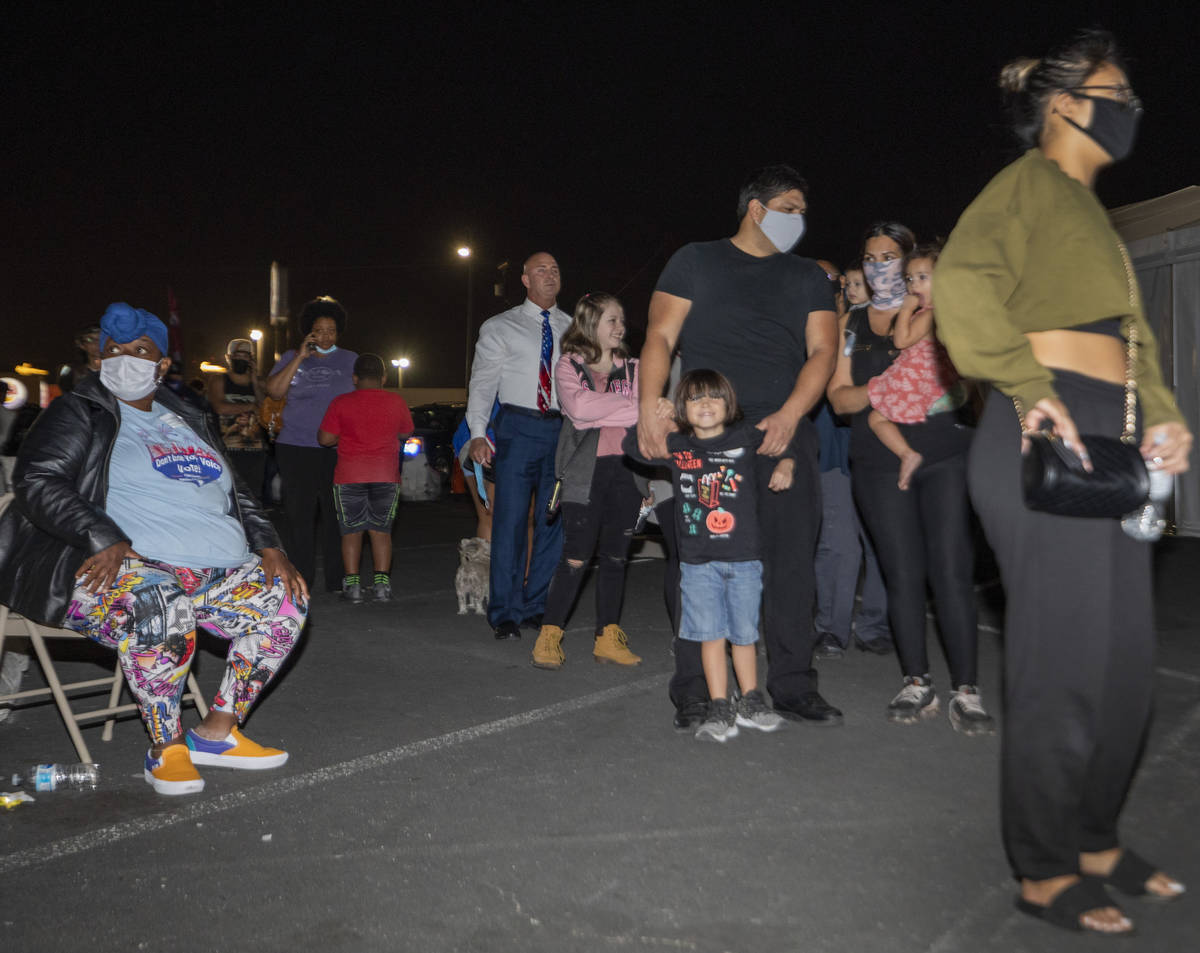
(1015, 76)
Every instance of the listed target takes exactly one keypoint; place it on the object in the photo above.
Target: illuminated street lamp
(400, 363)
(464, 251)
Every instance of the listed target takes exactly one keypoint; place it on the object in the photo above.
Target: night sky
(191, 146)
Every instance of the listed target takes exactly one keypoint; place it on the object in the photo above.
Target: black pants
(788, 523)
(664, 512)
(924, 534)
(1078, 648)
(603, 526)
(251, 466)
(307, 477)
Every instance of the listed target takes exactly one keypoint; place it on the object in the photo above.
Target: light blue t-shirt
(169, 492)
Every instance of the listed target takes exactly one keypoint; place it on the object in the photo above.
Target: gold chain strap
(1127, 432)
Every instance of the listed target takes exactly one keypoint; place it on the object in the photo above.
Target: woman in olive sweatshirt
(1035, 293)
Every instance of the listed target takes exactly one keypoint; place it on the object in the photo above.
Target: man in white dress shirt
(514, 361)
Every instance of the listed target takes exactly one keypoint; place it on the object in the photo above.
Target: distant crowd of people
(806, 438)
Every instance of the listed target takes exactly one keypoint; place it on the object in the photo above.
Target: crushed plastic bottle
(1148, 522)
(59, 777)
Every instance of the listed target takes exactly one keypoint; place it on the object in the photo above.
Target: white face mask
(129, 377)
(782, 230)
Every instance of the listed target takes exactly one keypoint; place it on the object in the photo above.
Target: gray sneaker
(967, 713)
(720, 724)
(382, 591)
(352, 593)
(915, 701)
(752, 712)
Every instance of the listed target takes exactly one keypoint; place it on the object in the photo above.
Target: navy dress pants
(524, 467)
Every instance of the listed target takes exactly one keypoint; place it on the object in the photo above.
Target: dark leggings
(602, 526)
(1078, 647)
(923, 533)
(307, 477)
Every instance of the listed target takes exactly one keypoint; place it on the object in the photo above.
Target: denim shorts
(720, 601)
(363, 506)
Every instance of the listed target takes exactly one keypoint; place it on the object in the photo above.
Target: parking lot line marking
(104, 836)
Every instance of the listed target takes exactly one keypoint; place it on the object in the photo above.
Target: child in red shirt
(366, 426)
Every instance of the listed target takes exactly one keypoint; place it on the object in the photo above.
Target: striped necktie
(543, 390)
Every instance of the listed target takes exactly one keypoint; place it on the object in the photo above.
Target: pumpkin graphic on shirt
(719, 522)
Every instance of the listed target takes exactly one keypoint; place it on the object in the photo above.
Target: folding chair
(37, 635)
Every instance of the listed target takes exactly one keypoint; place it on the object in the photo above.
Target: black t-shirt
(716, 505)
(938, 437)
(747, 317)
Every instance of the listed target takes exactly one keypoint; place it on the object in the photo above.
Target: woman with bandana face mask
(1036, 294)
(130, 527)
(921, 533)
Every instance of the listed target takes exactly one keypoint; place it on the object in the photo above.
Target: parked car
(429, 452)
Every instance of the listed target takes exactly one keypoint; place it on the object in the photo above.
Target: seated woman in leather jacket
(130, 527)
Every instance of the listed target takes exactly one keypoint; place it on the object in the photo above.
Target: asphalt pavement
(442, 794)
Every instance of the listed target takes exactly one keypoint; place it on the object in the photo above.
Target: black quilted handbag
(1056, 482)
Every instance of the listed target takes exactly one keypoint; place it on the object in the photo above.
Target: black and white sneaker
(720, 724)
(915, 701)
(967, 713)
(752, 712)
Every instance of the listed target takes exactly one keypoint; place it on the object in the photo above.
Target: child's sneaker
(752, 712)
(172, 771)
(235, 751)
(382, 592)
(720, 724)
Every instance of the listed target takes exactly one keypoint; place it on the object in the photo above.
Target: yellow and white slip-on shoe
(235, 750)
(172, 772)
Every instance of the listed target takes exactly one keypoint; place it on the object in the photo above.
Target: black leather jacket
(57, 518)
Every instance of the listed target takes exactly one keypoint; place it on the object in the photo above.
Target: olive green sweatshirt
(1035, 252)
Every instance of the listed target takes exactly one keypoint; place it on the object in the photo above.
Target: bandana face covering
(129, 377)
(886, 279)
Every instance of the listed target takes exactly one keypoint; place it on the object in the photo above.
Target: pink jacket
(612, 411)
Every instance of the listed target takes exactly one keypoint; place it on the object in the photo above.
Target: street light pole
(400, 363)
(464, 251)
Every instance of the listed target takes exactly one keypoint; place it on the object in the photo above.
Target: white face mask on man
(129, 377)
(782, 229)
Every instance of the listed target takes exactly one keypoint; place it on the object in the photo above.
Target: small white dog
(471, 580)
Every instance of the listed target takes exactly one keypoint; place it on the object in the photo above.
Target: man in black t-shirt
(765, 319)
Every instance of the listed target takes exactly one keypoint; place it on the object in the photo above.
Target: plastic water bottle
(59, 777)
(1148, 521)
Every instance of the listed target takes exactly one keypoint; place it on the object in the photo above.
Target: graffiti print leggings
(150, 616)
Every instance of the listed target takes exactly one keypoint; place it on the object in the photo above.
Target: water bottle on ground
(60, 777)
(1148, 521)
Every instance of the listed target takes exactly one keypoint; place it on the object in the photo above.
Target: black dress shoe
(811, 709)
(508, 630)
(533, 622)
(828, 647)
(689, 714)
(874, 646)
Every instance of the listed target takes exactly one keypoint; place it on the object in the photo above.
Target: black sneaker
(828, 647)
(507, 630)
(720, 724)
(874, 646)
(690, 713)
(810, 709)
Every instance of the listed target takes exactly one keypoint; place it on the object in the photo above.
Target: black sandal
(1130, 875)
(1065, 909)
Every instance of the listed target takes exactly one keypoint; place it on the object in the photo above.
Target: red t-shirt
(369, 424)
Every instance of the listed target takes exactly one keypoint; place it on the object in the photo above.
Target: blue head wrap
(123, 324)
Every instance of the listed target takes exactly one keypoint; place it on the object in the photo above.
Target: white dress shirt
(507, 356)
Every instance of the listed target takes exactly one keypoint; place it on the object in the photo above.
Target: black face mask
(1114, 125)
(239, 365)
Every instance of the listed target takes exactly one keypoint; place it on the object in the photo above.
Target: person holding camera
(235, 397)
(310, 378)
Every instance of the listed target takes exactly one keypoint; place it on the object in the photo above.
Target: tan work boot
(548, 651)
(611, 646)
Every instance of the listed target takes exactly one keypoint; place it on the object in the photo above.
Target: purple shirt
(316, 382)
